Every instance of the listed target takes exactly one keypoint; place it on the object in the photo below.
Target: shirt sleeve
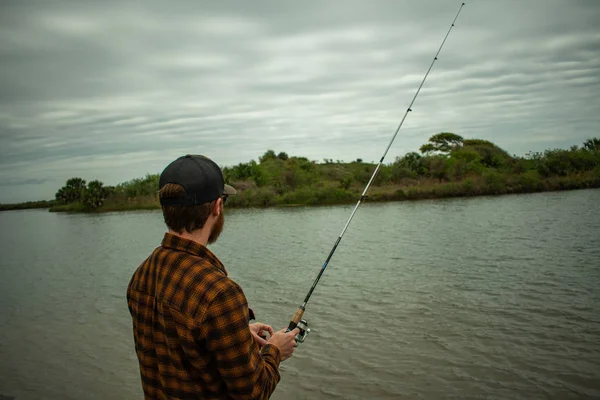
(248, 372)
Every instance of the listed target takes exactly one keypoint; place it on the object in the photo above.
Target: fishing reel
(303, 328)
(304, 331)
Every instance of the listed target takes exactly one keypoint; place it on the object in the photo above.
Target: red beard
(217, 228)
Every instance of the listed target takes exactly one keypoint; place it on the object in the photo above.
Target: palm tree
(592, 144)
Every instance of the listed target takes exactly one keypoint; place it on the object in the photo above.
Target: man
(191, 322)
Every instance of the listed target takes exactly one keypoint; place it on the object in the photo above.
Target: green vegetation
(140, 193)
(27, 205)
(447, 166)
(77, 196)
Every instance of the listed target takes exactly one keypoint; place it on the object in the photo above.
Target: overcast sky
(115, 90)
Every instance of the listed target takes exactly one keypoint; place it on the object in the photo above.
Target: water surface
(491, 297)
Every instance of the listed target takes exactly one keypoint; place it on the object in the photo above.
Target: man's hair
(179, 218)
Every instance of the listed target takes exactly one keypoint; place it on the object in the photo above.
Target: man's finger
(260, 341)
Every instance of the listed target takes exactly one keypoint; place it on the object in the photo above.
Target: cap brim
(229, 190)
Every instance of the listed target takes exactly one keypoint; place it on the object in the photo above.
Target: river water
(490, 297)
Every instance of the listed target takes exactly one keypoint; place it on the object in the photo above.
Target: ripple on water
(489, 298)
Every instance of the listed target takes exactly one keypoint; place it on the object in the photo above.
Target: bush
(259, 176)
(146, 186)
(261, 197)
(411, 162)
(401, 173)
(455, 169)
(495, 182)
(436, 166)
(490, 155)
(346, 182)
(468, 187)
(466, 154)
(530, 181)
(384, 176)
(299, 196)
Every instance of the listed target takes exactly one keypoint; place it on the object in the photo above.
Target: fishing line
(297, 320)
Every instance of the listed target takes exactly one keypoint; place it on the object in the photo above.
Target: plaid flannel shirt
(191, 328)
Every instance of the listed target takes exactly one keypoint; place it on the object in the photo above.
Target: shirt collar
(171, 241)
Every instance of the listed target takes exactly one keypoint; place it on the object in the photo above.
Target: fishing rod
(297, 321)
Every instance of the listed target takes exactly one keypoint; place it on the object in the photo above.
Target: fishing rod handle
(296, 318)
(302, 325)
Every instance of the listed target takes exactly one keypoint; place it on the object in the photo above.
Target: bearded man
(191, 322)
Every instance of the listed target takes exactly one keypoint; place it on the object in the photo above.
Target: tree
(239, 172)
(427, 148)
(490, 155)
(72, 191)
(443, 142)
(61, 195)
(282, 156)
(269, 155)
(411, 161)
(592, 144)
(94, 195)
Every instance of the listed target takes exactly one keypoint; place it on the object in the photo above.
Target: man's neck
(199, 236)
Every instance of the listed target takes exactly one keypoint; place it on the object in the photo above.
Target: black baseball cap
(201, 178)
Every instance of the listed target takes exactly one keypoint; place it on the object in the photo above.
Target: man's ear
(217, 207)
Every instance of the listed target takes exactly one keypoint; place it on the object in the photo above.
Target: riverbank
(26, 206)
(449, 166)
(426, 189)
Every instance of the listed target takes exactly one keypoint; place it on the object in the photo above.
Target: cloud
(24, 182)
(116, 90)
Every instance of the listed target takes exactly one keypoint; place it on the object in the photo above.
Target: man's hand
(259, 331)
(285, 341)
